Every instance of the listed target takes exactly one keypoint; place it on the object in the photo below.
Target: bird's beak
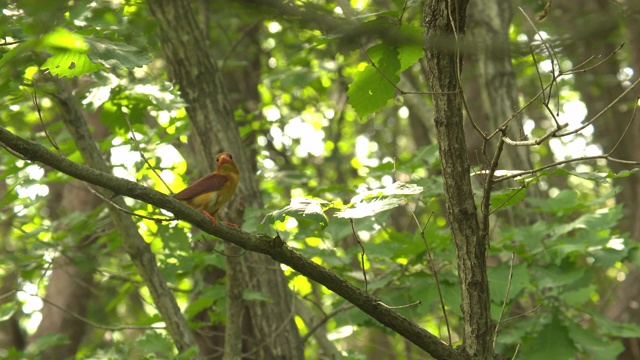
(224, 160)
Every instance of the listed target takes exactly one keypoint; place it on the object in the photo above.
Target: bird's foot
(215, 221)
(213, 218)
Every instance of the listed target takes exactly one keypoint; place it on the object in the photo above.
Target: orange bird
(211, 192)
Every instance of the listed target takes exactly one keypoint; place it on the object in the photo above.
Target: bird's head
(225, 163)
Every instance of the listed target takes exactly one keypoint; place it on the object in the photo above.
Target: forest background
(449, 178)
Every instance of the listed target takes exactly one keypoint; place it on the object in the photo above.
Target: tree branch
(446, 19)
(275, 248)
(138, 250)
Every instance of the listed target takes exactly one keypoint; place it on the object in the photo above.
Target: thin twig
(239, 41)
(518, 112)
(34, 97)
(475, 125)
(543, 14)
(9, 43)
(127, 211)
(206, 242)
(91, 323)
(576, 69)
(402, 12)
(419, 302)
(504, 303)
(558, 163)
(543, 94)
(402, 92)
(554, 60)
(486, 191)
(364, 272)
(430, 258)
(497, 208)
(275, 332)
(521, 315)
(549, 47)
(111, 276)
(146, 161)
(537, 68)
(488, 184)
(324, 320)
(433, 267)
(13, 152)
(315, 327)
(537, 141)
(606, 156)
(516, 352)
(633, 116)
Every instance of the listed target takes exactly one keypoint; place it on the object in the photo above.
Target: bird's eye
(230, 157)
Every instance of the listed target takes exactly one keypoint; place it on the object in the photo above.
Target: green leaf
(47, 341)
(397, 188)
(612, 328)
(154, 343)
(197, 306)
(579, 296)
(551, 342)
(7, 310)
(605, 218)
(64, 39)
(375, 201)
(116, 55)
(15, 53)
(588, 342)
(553, 276)
(187, 354)
(100, 91)
(206, 299)
(410, 52)
(68, 63)
(369, 208)
(499, 281)
(503, 199)
(565, 200)
(255, 296)
(306, 209)
(371, 90)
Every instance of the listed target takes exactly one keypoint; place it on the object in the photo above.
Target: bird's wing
(209, 183)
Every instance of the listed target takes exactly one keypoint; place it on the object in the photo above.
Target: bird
(211, 192)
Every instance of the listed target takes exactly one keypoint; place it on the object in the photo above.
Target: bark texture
(70, 285)
(191, 66)
(446, 20)
(69, 288)
(11, 335)
(494, 79)
(135, 246)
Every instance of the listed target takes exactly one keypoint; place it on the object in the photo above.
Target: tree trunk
(68, 292)
(189, 64)
(10, 333)
(69, 288)
(598, 88)
(494, 79)
(444, 21)
(138, 250)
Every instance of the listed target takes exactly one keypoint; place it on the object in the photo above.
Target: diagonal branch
(135, 246)
(275, 248)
